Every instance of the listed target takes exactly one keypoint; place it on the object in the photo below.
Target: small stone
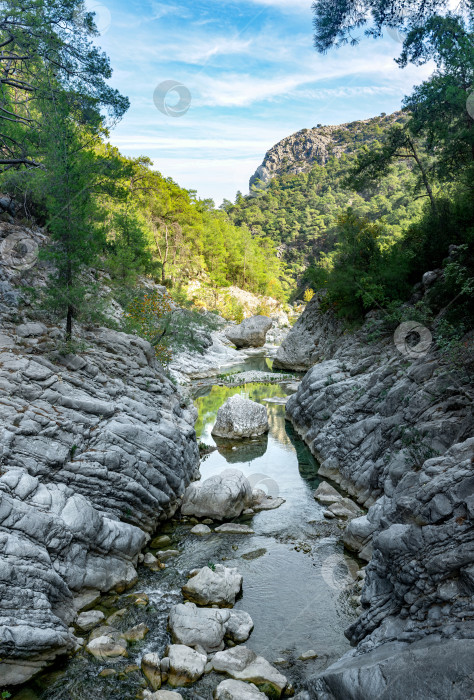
(151, 669)
(327, 514)
(137, 633)
(207, 521)
(166, 554)
(200, 530)
(217, 586)
(106, 647)
(160, 542)
(327, 494)
(106, 672)
(151, 562)
(87, 620)
(117, 615)
(307, 655)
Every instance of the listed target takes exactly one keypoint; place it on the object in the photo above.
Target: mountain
(299, 192)
(298, 153)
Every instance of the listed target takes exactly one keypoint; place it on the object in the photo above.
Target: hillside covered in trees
(102, 211)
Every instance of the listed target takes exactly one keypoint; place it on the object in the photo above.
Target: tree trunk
(69, 317)
(424, 177)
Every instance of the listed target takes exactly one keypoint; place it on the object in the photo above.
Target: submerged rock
(234, 529)
(251, 333)
(221, 496)
(240, 418)
(218, 586)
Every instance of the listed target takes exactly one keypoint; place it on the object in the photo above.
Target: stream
(294, 567)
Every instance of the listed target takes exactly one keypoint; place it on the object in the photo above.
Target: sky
(249, 75)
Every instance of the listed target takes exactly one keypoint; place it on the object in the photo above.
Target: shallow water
(295, 597)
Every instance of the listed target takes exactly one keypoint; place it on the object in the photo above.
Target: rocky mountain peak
(300, 151)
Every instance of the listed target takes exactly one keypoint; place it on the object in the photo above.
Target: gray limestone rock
(240, 418)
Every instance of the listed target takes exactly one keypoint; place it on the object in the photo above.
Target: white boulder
(221, 496)
(237, 690)
(218, 586)
(244, 665)
(240, 418)
(251, 333)
(185, 665)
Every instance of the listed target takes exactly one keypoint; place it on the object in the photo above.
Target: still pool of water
(294, 568)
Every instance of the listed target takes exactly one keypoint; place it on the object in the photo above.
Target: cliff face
(396, 432)
(300, 151)
(96, 448)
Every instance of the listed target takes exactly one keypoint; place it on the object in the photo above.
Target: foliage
(47, 48)
(308, 295)
(148, 315)
(336, 23)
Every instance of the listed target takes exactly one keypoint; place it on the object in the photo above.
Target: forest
(103, 211)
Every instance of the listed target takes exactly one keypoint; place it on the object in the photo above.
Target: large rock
(185, 665)
(206, 628)
(151, 669)
(394, 431)
(237, 690)
(218, 586)
(251, 333)
(243, 664)
(96, 450)
(312, 338)
(201, 627)
(427, 669)
(221, 496)
(240, 418)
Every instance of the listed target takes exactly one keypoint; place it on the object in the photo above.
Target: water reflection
(235, 451)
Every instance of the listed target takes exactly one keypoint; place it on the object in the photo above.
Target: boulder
(327, 494)
(218, 586)
(203, 627)
(239, 626)
(240, 418)
(185, 665)
(251, 333)
(237, 690)
(222, 496)
(243, 664)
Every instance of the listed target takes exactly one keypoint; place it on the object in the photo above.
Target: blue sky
(254, 78)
